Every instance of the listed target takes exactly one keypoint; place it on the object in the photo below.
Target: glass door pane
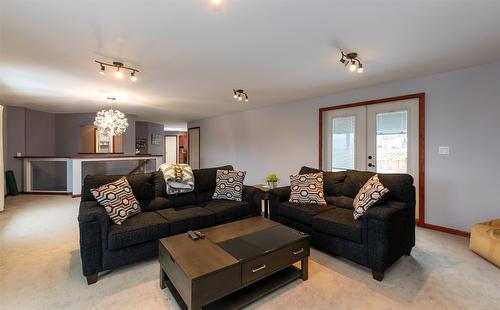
(343, 143)
(392, 142)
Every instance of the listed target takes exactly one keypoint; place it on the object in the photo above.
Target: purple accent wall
(68, 135)
(40, 133)
(14, 140)
(32, 132)
(144, 130)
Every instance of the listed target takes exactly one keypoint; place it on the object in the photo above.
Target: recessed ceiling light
(217, 4)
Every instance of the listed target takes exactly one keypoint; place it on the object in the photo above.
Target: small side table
(265, 197)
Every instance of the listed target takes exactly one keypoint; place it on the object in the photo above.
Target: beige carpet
(40, 269)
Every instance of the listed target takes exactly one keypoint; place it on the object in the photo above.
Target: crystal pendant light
(111, 122)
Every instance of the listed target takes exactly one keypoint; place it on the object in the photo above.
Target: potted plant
(272, 180)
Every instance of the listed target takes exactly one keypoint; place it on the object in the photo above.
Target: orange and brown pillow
(371, 193)
(307, 188)
(118, 200)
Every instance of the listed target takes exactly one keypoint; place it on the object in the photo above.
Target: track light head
(133, 78)
(103, 69)
(360, 68)
(118, 74)
(352, 66)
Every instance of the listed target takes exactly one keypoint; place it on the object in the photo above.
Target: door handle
(371, 165)
(254, 270)
(298, 252)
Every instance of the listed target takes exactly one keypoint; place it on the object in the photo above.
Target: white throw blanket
(178, 177)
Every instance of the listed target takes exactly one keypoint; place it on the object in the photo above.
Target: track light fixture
(119, 69)
(352, 61)
(240, 94)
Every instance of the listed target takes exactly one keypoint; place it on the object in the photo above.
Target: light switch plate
(444, 150)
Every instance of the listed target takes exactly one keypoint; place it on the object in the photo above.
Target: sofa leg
(379, 276)
(408, 253)
(91, 279)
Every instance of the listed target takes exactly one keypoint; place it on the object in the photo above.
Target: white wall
(462, 111)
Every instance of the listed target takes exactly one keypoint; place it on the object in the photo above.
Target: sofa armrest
(390, 232)
(277, 196)
(253, 196)
(384, 212)
(93, 222)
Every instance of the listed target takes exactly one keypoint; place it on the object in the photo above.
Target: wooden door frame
(176, 147)
(421, 141)
(199, 145)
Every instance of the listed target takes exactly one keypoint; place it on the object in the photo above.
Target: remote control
(192, 235)
(199, 234)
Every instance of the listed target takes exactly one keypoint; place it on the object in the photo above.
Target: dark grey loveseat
(105, 245)
(382, 235)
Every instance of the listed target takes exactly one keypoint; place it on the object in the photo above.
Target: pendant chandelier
(111, 122)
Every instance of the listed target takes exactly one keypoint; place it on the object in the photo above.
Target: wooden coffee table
(236, 264)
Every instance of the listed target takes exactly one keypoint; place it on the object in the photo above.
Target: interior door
(171, 149)
(194, 147)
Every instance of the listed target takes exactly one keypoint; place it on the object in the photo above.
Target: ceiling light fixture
(119, 69)
(217, 4)
(352, 60)
(110, 122)
(240, 94)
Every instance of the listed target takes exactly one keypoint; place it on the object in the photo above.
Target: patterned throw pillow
(118, 200)
(229, 185)
(307, 188)
(368, 195)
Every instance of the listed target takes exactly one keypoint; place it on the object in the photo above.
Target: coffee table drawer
(265, 265)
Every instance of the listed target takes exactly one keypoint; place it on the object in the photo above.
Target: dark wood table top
(202, 257)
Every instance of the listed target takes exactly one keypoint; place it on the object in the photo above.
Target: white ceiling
(192, 56)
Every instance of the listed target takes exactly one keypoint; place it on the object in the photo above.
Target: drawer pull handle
(298, 252)
(259, 268)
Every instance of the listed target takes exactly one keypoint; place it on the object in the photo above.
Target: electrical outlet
(444, 150)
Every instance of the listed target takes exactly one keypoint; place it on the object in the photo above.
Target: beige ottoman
(485, 240)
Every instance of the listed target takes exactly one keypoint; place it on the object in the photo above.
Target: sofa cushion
(143, 227)
(226, 210)
(180, 200)
(229, 185)
(340, 223)
(332, 181)
(340, 201)
(142, 185)
(118, 200)
(301, 212)
(354, 181)
(182, 219)
(307, 188)
(204, 179)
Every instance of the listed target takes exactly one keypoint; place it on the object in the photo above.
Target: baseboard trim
(75, 196)
(46, 193)
(447, 230)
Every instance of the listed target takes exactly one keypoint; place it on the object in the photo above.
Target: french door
(382, 138)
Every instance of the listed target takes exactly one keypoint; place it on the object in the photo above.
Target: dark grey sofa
(382, 235)
(105, 245)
